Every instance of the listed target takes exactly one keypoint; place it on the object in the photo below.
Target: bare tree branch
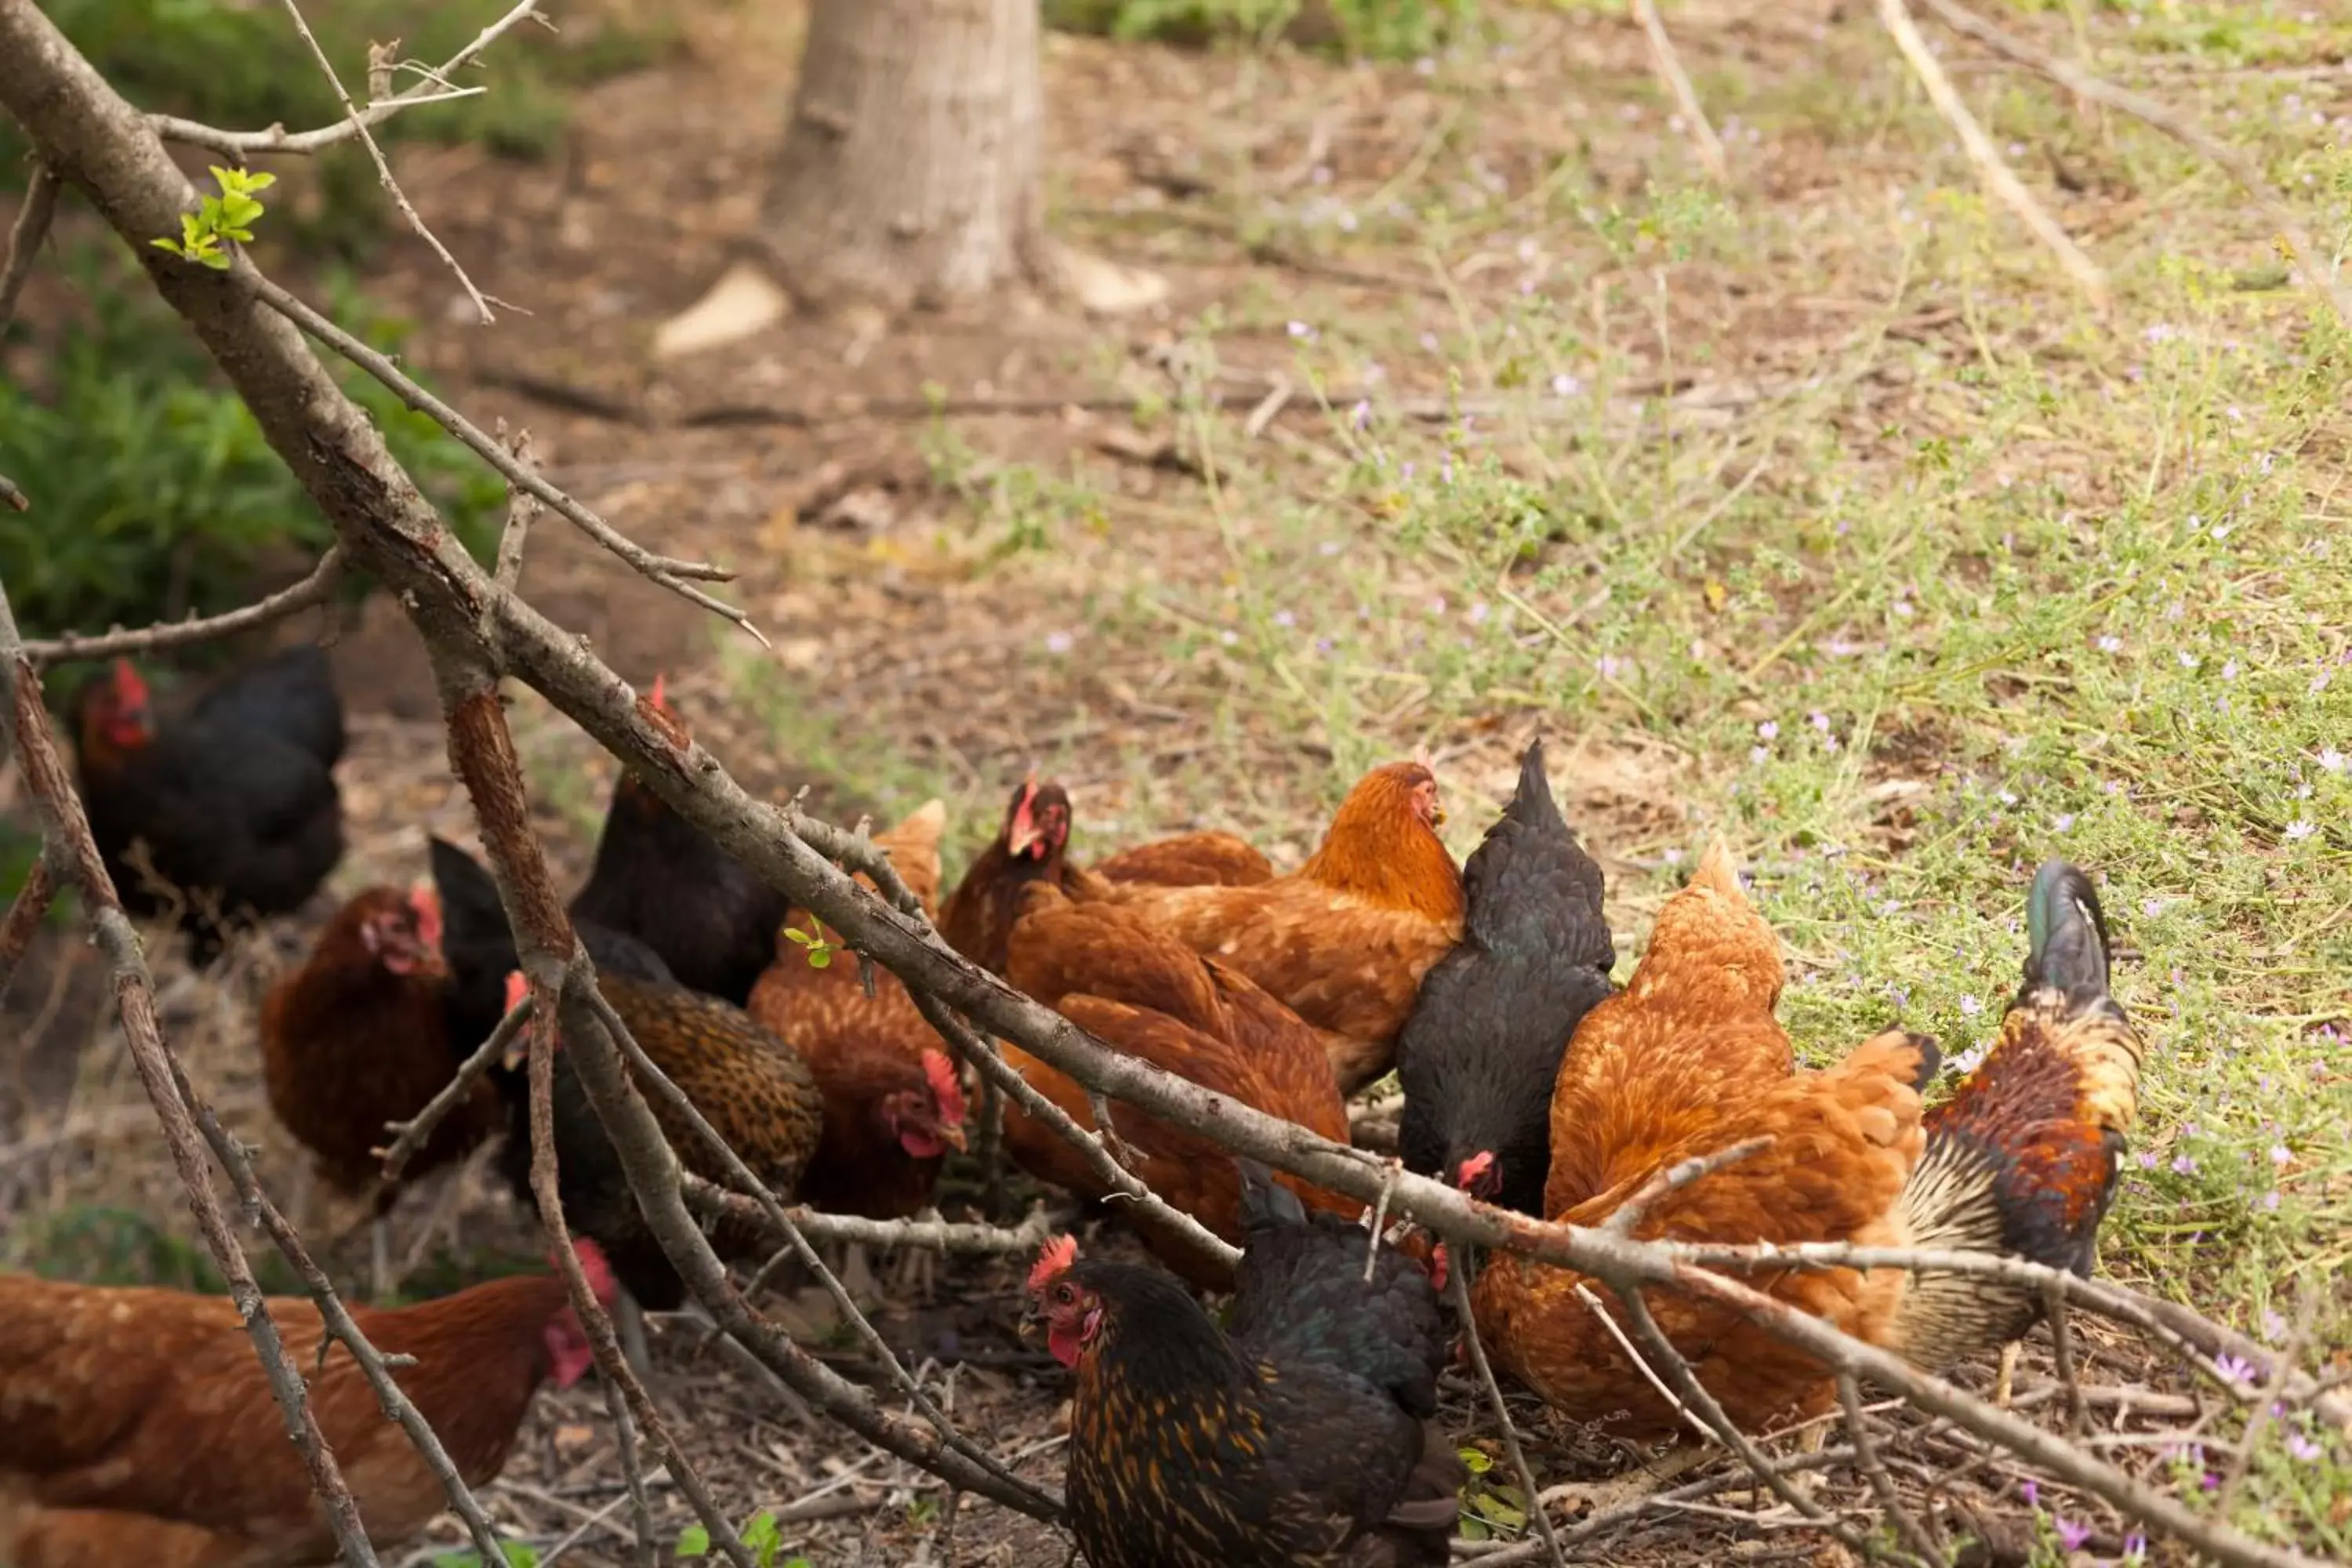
(935, 1234)
(25, 916)
(1990, 166)
(1628, 1215)
(411, 1135)
(32, 228)
(1541, 1516)
(2307, 257)
(434, 89)
(523, 509)
(1890, 1502)
(314, 589)
(383, 166)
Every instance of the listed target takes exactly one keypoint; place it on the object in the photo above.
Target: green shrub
(1364, 29)
(153, 491)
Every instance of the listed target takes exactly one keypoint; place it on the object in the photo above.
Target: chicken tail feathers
(2023, 1158)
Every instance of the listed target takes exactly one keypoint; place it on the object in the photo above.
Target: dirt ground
(915, 651)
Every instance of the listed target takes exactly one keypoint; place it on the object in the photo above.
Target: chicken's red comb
(130, 686)
(947, 1089)
(592, 1264)
(425, 899)
(1053, 1259)
(517, 989)
(655, 696)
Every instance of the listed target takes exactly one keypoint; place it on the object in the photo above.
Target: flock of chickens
(1302, 1431)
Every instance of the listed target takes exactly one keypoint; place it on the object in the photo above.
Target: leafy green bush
(1364, 29)
(153, 491)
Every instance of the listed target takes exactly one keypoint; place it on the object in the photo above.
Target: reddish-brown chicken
(136, 1426)
(1111, 972)
(893, 1103)
(1344, 939)
(1030, 847)
(358, 1038)
(1689, 1060)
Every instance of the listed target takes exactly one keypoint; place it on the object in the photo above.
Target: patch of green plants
(153, 491)
(101, 1245)
(761, 1534)
(1363, 30)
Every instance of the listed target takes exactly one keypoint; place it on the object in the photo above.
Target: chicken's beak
(952, 1136)
(1437, 816)
(517, 1051)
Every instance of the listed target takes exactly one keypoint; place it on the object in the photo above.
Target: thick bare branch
(932, 1234)
(314, 589)
(434, 89)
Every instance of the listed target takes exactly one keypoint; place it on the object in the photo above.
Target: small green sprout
(229, 215)
(820, 951)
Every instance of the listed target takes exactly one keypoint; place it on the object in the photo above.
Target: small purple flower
(1971, 1006)
(1058, 642)
(2111, 644)
(1302, 331)
(1329, 547)
(2031, 1491)
(2152, 908)
(1437, 605)
(2234, 1369)
(2230, 670)
(2331, 761)
(2302, 1446)
(1322, 644)
(2066, 822)
(2135, 1547)
(1566, 385)
(1758, 755)
(1769, 731)
(2071, 1536)
(1611, 666)
(2280, 1154)
(1285, 618)
(2183, 1165)
(2270, 1201)
(2188, 660)
(1478, 613)
(1819, 721)
(2302, 828)
(2148, 1160)
(1362, 414)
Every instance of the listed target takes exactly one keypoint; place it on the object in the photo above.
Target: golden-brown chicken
(1211, 859)
(1343, 940)
(136, 1426)
(893, 1103)
(358, 1038)
(1689, 1061)
(1111, 972)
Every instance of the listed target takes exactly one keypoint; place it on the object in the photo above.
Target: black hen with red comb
(1305, 1437)
(1480, 1052)
(660, 878)
(231, 802)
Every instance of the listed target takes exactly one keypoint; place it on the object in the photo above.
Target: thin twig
(1990, 166)
(434, 89)
(321, 584)
(1669, 67)
(413, 1134)
(1629, 1213)
(2062, 1345)
(24, 239)
(1634, 1353)
(931, 1234)
(1458, 1286)
(353, 118)
(1873, 1469)
(633, 1476)
(1686, 1383)
(1380, 1224)
(25, 916)
(677, 576)
(2289, 1354)
(2302, 252)
(523, 509)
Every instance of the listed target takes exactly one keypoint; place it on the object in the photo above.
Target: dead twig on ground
(1890, 1501)
(1537, 1514)
(934, 1235)
(1669, 67)
(2294, 240)
(1990, 168)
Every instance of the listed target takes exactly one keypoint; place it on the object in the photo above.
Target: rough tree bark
(911, 175)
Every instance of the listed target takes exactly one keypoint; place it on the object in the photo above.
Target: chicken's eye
(1065, 1295)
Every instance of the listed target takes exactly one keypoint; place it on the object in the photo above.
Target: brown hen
(1135, 986)
(136, 1426)
(1343, 940)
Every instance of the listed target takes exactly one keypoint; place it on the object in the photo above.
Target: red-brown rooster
(1345, 940)
(136, 1427)
(1307, 1434)
(358, 1038)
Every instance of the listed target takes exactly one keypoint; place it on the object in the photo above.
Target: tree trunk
(911, 175)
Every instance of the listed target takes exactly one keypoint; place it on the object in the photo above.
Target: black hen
(665, 881)
(1479, 1056)
(1305, 1437)
(232, 799)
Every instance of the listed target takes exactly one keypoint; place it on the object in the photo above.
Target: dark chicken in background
(1479, 1053)
(232, 799)
(2023, 1158)
(1146, 995)
(752, 1087)
(661, 879)
(139, 1430)
(1307, 1434)
(1030, 847)
(359, 1038)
